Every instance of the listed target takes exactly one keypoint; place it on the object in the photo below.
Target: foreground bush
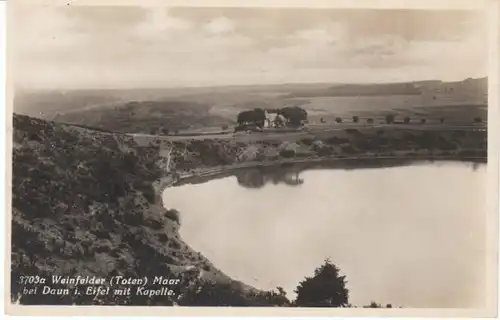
(327, 288)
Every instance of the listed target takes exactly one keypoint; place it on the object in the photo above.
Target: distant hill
(360, 90)
(478, 87)
(145, 116)
(47, 104)
(157, 109)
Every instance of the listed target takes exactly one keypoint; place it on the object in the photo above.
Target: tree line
(390, 118)
(296, 116)
(284, 117)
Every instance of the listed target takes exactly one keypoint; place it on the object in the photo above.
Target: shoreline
(207, 174)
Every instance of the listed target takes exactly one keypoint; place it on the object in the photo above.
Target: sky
(125, 47)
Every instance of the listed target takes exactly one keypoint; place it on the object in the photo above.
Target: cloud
(219, 26)
(159, 25)
(63, 46)
(41, 29)
(319, 36)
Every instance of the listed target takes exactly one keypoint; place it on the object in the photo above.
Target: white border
(493, 163)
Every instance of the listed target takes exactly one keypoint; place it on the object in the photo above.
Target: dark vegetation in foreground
(326, 288)
(84, 203)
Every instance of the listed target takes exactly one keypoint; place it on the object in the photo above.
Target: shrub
(307, 141)
(163, 238)
(153, 223)
(172, 214)
(338, 120)
(355, 119)
(373, 304)
(287, 153)
(352, 131)
(149, 193)
(336, 140)
(389, 118)
(348, 149)
(324, 151)
(133, 218)
(327, 288)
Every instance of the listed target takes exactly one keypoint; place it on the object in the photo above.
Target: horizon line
(40, 89)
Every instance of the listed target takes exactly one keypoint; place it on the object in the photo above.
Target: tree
(225, 127)
(294, 116)
(423, 121)
(369, 120)
(338, 119)
(478, 120)
(355, 119)
(374, 304)
(389, 118)
(322, 120)
(325, 289)
(407, 119)
(278, 122)
(256, 117)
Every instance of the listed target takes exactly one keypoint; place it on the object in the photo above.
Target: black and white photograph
(298, 158)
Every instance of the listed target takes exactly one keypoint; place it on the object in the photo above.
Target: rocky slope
(84, 204)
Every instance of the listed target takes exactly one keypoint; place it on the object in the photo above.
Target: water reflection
(288, 174)
(259, 177)
(412, 235)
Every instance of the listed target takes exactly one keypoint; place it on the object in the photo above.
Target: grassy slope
(145, 116)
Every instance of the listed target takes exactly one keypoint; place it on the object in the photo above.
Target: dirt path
(312, 130)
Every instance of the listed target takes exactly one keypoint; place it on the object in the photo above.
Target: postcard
(264, 158)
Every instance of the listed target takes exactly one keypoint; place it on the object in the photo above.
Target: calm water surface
(411, 236)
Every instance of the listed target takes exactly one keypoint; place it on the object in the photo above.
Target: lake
(411, 236)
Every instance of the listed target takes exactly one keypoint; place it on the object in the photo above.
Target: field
(209, 110)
